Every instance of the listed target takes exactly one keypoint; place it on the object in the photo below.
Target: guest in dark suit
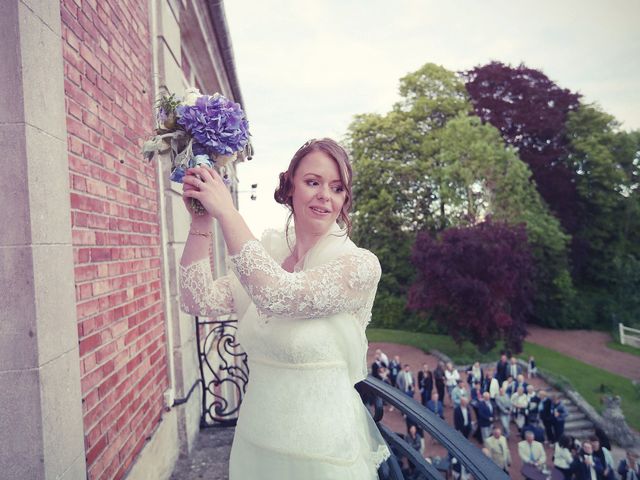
(532, 414)
(439, 379)
(629, 468)
(425, 383)
(462, 418)
(394, 369)
(559, 414)
(375, 369)
(435, 405)
(544, 412)
(501, 368)
(586, 466)
(485, 415)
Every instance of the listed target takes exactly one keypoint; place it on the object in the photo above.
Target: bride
(303, 299)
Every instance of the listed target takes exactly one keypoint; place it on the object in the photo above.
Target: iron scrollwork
(224, 371)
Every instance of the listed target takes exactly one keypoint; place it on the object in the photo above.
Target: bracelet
(202, 234)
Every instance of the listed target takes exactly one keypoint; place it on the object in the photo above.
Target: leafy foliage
(530, 112)
(477, 281)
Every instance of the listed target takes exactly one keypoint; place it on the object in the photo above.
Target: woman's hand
(209, 189)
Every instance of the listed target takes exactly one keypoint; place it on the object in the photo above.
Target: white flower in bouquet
(190, 96)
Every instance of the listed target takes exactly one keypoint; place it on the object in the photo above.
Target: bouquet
(198, 130)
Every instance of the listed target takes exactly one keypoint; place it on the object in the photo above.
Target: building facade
(93, 347)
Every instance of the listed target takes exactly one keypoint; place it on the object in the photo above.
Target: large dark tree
(476, 282)
(530, 112)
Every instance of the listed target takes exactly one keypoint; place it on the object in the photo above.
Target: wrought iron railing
(224, 375)
(471, 457)
(224, 371)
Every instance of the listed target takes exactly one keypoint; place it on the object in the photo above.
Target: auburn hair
(334, 150)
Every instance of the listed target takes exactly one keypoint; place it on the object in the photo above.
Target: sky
(306, 67)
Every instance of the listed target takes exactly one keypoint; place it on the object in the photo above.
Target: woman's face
(318, 193)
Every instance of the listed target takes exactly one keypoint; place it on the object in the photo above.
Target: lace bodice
(345, 284)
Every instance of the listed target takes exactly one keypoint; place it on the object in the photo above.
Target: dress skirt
(338, 439)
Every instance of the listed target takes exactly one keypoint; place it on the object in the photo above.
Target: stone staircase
(577, 424)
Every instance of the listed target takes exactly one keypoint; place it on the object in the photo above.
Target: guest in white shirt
(531, 452)
(451, 376)
(498, 448)
(562, 456)
(383, 357)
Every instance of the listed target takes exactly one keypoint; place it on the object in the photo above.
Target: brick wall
(115, 227)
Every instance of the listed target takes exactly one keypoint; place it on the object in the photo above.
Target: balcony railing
(475, 462)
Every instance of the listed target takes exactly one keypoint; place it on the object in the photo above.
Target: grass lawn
(624, 348)
(587, 380)
(464, 355)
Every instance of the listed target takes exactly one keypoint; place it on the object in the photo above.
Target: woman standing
(425, 383)
(303, 299)
(562, 456)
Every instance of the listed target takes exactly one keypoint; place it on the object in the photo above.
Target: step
(584, 424)
(580, 434)
(576, 416)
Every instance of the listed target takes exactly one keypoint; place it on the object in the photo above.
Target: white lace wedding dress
(301, 417)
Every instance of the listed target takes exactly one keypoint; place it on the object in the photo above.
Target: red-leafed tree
(476, 282)
(530, 111)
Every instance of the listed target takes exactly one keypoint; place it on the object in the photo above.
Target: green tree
(428, 165)
(481, 177)
(605, 159)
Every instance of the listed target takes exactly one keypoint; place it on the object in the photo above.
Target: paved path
(588, 347)
(209, 459)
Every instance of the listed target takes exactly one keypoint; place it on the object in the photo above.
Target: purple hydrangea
(177, 174)
(216, 124)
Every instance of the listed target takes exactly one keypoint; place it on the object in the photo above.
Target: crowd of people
(488, 400)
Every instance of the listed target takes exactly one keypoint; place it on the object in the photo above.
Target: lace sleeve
(345, 284)
(200, 294)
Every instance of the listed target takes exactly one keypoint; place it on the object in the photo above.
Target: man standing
(457, 393)
(559, 414)
(462, 417)
(490, 384)
(514, 368)
(532, 412)
(531, 451)
(404, 381)
(375, 366)
(501, 369)
(586, 466)
(544, 411)
(435, 405)
(498, 449)
(485, 416)
(394, 369)
(604, 456)
(439, 378)
(503, 404)
(425, 383)
(382, 357)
